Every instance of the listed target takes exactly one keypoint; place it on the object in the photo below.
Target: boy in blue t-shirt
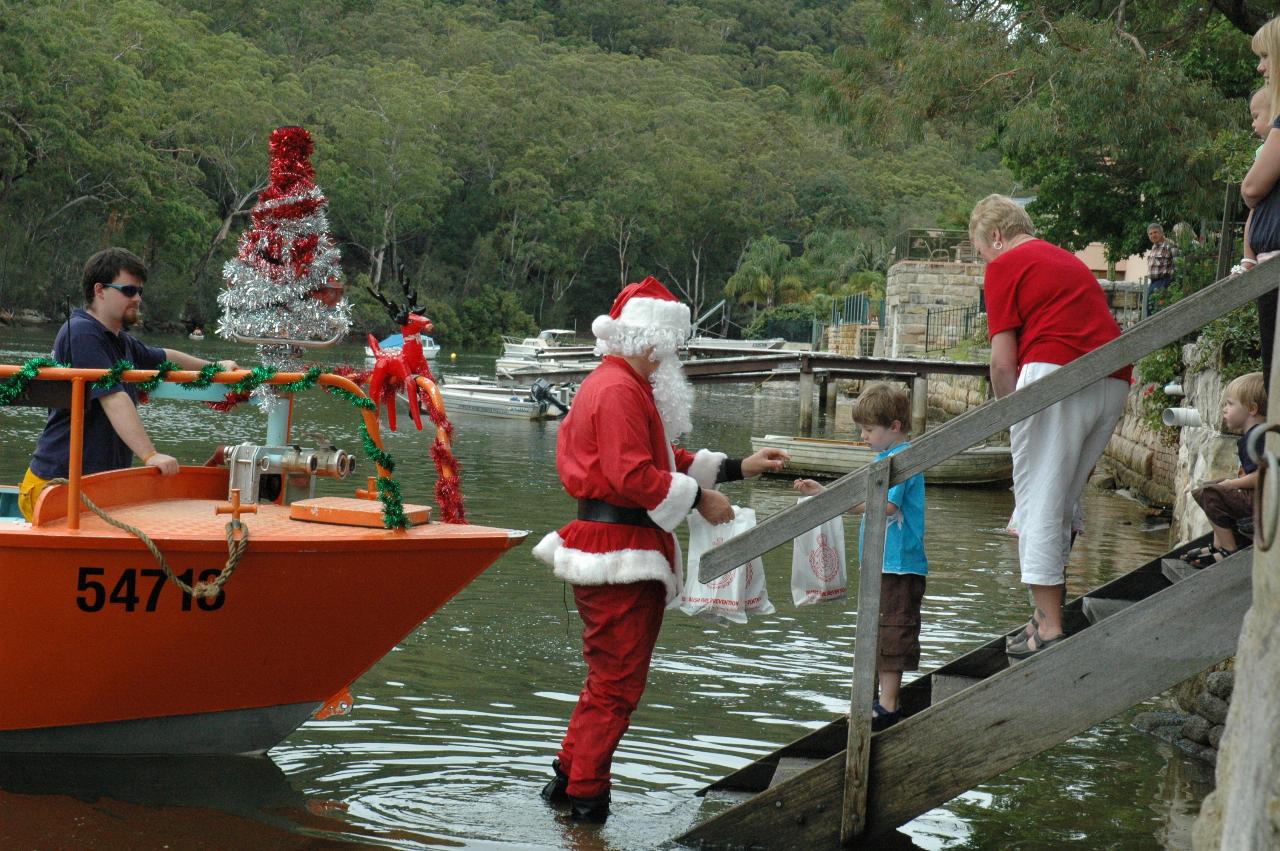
(882, 412)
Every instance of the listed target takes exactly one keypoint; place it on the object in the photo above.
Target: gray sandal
(1023, 635)
(1024, 650)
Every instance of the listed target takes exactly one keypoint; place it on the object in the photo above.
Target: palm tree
(765, 276)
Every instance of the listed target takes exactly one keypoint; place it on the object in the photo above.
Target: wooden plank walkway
(978, 716)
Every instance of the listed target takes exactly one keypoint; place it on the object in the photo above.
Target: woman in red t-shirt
(1044, 310)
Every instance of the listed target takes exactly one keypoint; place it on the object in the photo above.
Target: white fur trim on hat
(655, 313)
(706, 466)
(677, 504)
(620, 567)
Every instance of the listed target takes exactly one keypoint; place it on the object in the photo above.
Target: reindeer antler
(398, 314)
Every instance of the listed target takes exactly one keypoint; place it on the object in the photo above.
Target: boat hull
(106, 656)
(979, 465)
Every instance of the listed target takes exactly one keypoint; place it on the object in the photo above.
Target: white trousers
(1053, 453)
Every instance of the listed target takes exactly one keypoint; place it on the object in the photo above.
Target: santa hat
(643, 314)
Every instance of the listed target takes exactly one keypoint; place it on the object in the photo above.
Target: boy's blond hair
(1249, 391)
(880, 404)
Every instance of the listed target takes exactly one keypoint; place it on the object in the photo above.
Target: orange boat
(105, 653)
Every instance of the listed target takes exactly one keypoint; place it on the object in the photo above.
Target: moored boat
(978, 465)
(394, 342)
(114, 657)
(537, 401)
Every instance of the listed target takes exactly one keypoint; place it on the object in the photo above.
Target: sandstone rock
(1212, 709)
(1215, 736)
(1196, 729)
(1196, 749)
(1148, 721)
(1221, 683)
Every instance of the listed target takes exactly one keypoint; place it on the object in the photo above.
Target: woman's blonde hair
(1266, 42)
(1002, 213)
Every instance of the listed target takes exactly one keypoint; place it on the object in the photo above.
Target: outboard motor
(540, 391)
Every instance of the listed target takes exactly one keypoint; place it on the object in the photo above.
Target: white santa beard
(673, 394)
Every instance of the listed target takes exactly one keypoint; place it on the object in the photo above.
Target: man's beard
(131, 317)
(673, 394)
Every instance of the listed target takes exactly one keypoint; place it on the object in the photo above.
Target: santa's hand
(715, 507)
(768, 460)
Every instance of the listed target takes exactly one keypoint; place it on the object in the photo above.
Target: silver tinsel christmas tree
(286, 281)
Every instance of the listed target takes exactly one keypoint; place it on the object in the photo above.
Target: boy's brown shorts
(1224, 506)
(900, 596)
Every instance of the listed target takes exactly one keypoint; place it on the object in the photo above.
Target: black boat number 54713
(138, 590)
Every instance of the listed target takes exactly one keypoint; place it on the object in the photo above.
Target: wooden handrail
(975, 426)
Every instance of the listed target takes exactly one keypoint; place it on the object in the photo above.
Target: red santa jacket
(612, 447)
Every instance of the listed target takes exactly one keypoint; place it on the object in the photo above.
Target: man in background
(1159, 262)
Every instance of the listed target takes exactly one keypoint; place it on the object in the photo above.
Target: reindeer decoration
(395, 370)
(408, 368)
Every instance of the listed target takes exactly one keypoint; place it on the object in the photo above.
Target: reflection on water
(453, 732)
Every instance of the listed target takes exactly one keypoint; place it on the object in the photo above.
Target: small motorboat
(813, 456)
(539, 400)
(722, 344)
(108, 654)
(392, 344)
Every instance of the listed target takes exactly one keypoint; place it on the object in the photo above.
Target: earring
(997, 245)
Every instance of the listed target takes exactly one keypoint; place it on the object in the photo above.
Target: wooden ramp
(978, 716)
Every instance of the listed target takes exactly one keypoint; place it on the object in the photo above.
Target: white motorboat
(392, 345)
(543, 353)
(721, 344)
(540, 400)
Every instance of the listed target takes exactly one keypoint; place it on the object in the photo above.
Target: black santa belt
(599, 511)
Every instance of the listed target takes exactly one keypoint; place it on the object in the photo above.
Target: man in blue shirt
(95, 338)
(882, 412)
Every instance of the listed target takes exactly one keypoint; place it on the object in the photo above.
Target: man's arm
(1004, 363)
(191, 362)
(124, 419)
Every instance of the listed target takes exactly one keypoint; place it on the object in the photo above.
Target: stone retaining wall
(1197, 730)
(912, 287)
(1142, 458)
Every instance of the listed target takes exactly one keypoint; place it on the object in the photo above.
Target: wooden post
(806, 397)
(832, 396)
(853, 818)
(919, 403)
(823, 389)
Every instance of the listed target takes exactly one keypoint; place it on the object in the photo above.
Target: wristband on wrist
(153, 453)
(1248, 262)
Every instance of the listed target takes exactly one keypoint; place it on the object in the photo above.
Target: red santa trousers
(619, 629)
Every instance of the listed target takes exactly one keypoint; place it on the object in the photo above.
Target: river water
(453, 732)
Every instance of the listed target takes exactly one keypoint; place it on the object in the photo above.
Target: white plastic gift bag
(736, 594)
(818, 571)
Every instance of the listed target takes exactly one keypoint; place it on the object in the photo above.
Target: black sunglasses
(127, 290)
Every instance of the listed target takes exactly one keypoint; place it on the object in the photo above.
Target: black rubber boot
(556, 790)
(594, 810)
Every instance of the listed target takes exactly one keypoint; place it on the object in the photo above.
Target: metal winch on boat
(259, 472)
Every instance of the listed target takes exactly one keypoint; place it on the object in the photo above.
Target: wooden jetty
(809, 369)
(978, 716)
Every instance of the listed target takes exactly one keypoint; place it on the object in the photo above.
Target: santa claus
(615, 456)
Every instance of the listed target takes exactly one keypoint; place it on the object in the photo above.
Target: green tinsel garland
(205, 378)
(362, 402)
(375, 454)
(306, 382)
(257, 376)
(162, 372)
(393, 516)
(112, 378)
(15, 385)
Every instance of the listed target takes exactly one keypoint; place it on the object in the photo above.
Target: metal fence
(945, 328)
(934, 244)
(857, 310)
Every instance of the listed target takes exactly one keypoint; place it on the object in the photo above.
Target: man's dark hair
(103, 267)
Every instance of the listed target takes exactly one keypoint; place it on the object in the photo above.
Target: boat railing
(871, 484)
(78, 379)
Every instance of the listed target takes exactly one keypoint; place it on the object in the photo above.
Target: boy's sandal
(1209, 559)
(1198, 552)
(1024, 650)
(882, 719)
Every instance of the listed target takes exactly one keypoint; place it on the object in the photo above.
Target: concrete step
(790, 766)
(1097, 608)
